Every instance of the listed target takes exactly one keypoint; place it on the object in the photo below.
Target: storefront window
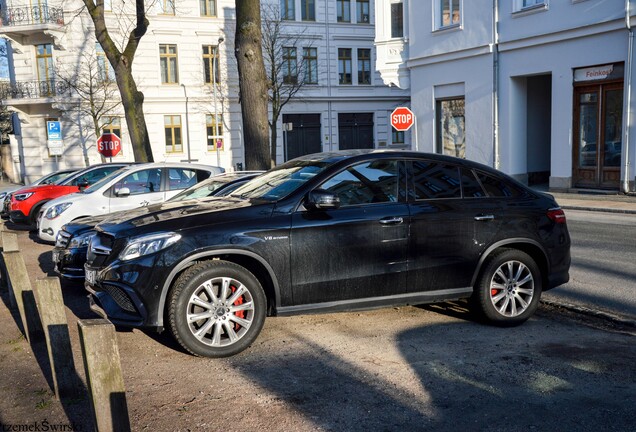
(451, 128)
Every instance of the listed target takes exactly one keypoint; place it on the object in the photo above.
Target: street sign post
(402, 119)
(109, 145)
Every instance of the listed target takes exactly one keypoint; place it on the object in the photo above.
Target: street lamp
(216, 118)
(187, 121)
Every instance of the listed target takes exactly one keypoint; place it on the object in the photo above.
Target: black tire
(33, 216)
(241, 319)
(509, 287)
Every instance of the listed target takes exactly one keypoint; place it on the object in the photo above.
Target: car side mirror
(83, 184)
(323, 200)
(123, 192)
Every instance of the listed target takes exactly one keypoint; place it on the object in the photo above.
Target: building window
(172, 127)
(520, 5)
(209, 68)
(290, 70)
(214, 130)
(112, 125)
(105, 71)
(344, 65)
(343, 9)
(308, 12)
(362, 9)
(364, 66)
(166, 7)
(108, 6)
(310, 58)
(44, 57)
(288, 10)
(207, 7)
(397, 137)
(451, 127)
(397, 20)
(450, 13)
(168, 63)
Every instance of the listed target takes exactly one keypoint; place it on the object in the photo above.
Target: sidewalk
(611, 203)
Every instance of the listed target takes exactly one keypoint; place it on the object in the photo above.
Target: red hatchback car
(27, 202)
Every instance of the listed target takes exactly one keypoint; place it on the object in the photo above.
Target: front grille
(62, 239)
(120, 297)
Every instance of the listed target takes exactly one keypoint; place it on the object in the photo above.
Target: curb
(599, 209)
(606, 316)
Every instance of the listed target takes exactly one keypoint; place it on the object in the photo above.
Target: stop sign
(402, 118)
(109, 145)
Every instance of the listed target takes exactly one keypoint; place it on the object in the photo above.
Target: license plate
(56, 256)
(91, 276)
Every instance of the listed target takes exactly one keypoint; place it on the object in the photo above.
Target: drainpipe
(328, 49)
(495, 84)
(628, 90)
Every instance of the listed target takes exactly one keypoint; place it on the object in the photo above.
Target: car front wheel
(509, 288)
(216, 309)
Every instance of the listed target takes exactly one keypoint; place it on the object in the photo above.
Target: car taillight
(557, 215)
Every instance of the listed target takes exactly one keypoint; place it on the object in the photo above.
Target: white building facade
(540, 89)
(191, 116)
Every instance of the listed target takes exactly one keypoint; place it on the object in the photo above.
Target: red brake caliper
(240, 314)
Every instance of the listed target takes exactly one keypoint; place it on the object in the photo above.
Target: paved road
(603, 272)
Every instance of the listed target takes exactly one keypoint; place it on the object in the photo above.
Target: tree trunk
(252, 84)
(133, 102)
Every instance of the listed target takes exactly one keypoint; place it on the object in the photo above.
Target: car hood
(173, 216)
(44, 188)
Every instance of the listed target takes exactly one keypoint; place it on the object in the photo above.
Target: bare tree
(6, 125)
(252, 84)
(285, 75)
(93, 81)
(122, 63)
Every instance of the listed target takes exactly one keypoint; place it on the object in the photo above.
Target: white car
(128, 188)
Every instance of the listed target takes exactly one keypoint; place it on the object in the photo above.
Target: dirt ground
(412, 368)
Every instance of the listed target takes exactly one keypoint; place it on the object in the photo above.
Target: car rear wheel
(216, 309)
(509, 288)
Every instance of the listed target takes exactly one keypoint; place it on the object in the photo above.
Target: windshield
(95, 186)
(53, 178)
(281, 181)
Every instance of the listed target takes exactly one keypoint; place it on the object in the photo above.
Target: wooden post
(9, 244)
(48, 294)
(21, 286)
(103, 375)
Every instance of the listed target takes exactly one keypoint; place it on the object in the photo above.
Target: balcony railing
(33, 89)
(31, 15)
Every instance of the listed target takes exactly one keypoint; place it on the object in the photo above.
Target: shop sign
(598, 73)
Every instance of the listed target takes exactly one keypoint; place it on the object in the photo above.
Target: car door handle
(391, 221)
(485, 217)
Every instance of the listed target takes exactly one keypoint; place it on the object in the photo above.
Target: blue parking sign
(54, 130)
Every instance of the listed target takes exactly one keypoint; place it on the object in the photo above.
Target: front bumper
(18, 217)
(129, 293)
(69, 263)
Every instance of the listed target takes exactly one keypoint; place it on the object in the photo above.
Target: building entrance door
(598, 131)
(355, 131)
(304, 138)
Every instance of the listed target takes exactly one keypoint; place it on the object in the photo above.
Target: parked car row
(324, 232)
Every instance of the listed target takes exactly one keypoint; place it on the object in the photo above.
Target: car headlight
(57, 210)
(149, 244)
(81, 240)
(22, 196)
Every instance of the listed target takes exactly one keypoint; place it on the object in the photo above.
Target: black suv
(330, 232)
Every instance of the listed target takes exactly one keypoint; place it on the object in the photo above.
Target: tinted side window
(435, 180)
(141, 182)
(498, 188)
(366, 183)
(181, 178)
(470, 185)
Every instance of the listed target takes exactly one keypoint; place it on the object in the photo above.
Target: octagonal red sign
(402, 118)
(109, 144)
